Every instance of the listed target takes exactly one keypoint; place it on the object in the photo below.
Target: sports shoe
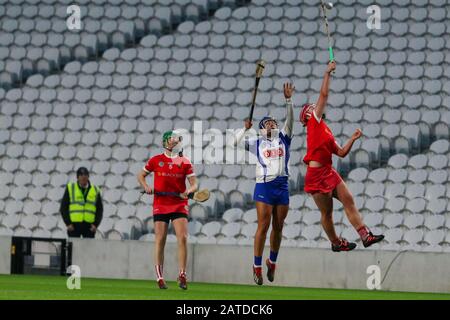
(162, 284)
(343, 246)
(182, 281)
(257, 275)
(270, 270)
(371, 239)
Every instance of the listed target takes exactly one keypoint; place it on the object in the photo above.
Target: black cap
(82, 171)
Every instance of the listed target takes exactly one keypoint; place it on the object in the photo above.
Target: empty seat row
(103, 28)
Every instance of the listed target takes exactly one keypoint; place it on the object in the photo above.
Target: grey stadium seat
(393, 220)
(311, 217)
(378, 175)
(375, 190)
(394, 235)
(418, 176)
(395, 205)
(434, 192)
(374, 203)
(416, 205)
(350, 234)
(195, 227)
(249, 230)
(440, 147)
(227, 185)
(418, 161)
(48, 223)
(250, 216)
(398, 176)
(29, 222)
(438, 162)
(373, 219)
(398, 161)
(435, 237)
(394, 190)
(232, 215)
(434, 221)
(296, 201)
(438, 176)
(414, 191)
(198, 212)
(11, 221)
(292, 231)
(231, 230)
(413, 221)
(413, 236)
(293, 217)
(311, 232)
(122, 230)
(358, 175)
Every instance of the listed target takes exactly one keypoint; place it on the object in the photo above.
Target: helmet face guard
(262, 127)
(174, 135)
(262, 123)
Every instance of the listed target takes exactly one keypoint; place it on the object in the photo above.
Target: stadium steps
(86, 46)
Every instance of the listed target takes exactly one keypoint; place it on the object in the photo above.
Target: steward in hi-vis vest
(81, 206)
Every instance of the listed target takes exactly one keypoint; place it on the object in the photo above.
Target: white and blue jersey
(273, 156)
(272, 166)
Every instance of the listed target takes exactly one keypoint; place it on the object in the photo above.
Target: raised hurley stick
(325, 7)
(260, 65)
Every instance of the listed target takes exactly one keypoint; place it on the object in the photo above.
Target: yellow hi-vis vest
(79, 209)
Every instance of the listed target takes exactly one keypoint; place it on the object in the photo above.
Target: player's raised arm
(323, 97)
(288, 90)
(240, 133)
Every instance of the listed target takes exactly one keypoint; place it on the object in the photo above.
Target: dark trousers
(81, 229)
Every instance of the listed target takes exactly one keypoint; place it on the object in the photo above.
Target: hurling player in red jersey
(321, 180)
(170, 171)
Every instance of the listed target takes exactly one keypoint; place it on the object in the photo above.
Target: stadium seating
(102, 97)
(36, 40)
(427, 202)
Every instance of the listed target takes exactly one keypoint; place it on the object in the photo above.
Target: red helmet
(307, 108)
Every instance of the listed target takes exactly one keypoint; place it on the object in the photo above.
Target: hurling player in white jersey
(271, 194)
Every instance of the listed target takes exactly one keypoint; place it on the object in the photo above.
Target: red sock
(363, 232)
(182, 272)
(336, 242)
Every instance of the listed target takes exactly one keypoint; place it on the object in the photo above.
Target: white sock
(159, 272)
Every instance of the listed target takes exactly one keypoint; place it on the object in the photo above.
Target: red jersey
(169, 176)
(320, 142)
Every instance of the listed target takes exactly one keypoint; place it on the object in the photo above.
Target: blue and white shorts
(273, 192)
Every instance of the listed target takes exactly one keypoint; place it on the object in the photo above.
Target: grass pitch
(20, 287)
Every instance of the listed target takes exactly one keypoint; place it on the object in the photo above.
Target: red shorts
(322, 179)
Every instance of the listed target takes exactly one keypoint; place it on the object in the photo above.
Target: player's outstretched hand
(288, 89)
(248, 124)
(357, 134)
(331, 66)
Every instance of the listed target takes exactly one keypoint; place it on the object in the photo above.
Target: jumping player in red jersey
(170, 170)
(321, 180)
